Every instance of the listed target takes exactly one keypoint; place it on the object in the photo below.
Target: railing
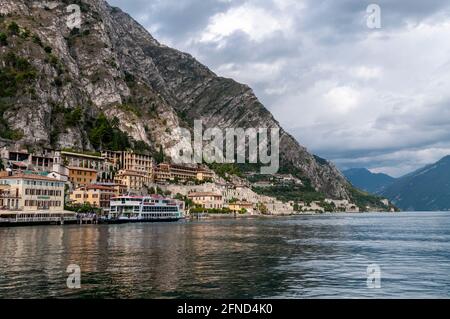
(37, 219)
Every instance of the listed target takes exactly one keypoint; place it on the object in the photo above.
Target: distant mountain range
(366, 180)
(427, 189)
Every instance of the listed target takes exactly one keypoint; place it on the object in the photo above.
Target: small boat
(140, 209)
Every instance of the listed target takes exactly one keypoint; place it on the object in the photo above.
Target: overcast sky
(361, 97)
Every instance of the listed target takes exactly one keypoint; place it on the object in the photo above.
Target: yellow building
(134, 181)
(240, 206)
(204, 174)
(79, 176)
(207, 200)
(95, 195)
(168, 172)
(163, 173)
(130, 161)
(27, 192)
(184, 172)
(137, 162)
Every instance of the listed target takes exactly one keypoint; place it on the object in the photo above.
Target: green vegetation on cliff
(294, 193)
(15, 74)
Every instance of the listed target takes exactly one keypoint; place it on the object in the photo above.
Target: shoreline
(212, 217)
(248, 216)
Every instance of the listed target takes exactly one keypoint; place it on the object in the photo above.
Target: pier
(87, 219)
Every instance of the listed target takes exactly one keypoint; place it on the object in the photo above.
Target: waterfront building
(130, 161)
(84, 169)
(134, 171)
(29, 192)
(184, 172)
(32, 199)
(239, 206)
(119, 189)
(80, 176)
(135, 182)
(96, 195)
(163, 173)
(166, 172)
(207, 200)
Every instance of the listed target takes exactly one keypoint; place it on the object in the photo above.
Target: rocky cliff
(85, 87)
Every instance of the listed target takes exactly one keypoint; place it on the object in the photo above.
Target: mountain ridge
(426, 189)
(364, 179)
(90, 88)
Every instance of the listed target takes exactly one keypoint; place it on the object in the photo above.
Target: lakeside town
(64, 184)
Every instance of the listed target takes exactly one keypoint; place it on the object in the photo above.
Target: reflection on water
(302, 257)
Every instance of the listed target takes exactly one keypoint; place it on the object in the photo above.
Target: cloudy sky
(361, 97)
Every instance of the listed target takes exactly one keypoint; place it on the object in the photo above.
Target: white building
(31, 193)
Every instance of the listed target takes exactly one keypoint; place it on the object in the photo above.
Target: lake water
(298, 257)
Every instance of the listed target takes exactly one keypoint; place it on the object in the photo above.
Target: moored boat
(138, 209)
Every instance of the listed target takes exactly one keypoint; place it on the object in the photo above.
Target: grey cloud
(177, 18)
(326, 43)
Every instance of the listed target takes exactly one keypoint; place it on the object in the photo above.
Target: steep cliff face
(113, 67)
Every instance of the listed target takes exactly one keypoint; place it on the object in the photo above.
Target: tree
(3, 39)
(104, 134)
(159, 158)
(262, 208)
(13, 28)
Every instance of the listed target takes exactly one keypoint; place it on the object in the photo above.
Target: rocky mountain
(427, 189)
(110, 84)
(364, 179)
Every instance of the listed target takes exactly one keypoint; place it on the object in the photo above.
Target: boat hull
(135, 221)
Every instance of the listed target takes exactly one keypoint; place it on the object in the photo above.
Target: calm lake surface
(298, 257)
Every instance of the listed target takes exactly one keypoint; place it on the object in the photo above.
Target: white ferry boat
(136, 209)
